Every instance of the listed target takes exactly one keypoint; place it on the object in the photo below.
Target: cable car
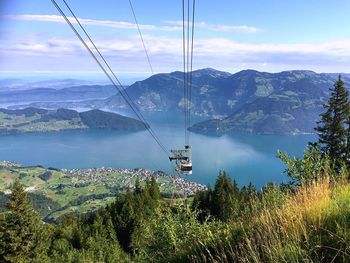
(183, 160)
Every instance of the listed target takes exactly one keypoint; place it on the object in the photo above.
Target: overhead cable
(120, 88)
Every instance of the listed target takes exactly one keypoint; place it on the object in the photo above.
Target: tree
(313, 166)
(132, 207)
(332, 129)
(202, 202)
(23, 238)
(153, 189)
(137, 189)
(347, 151)
(224, 202)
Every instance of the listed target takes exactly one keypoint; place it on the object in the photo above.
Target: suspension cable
(143, 42)
(184, 64)
(187, 48)
(123, 90)
(120, 88)
(191, 67)
(188, 69)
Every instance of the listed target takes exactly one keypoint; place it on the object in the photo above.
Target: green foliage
(3, 202)
(130, 208)
(98, 119)
(309, 224)
(202, 202)
(45, 175)
(42, 204)
(225, 202)
(314, 166)
(170, 236)
(22, 236)
(332, 129)
(89, 238)
(80, 190)
(271, 196)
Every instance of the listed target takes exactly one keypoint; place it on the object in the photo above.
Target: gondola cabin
(183, 160)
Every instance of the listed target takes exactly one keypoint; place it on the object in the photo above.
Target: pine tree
(202, 202)
(23, 236)
(347, 150)
(223, 204)
(154, 189)
(137, 189)
(332, 130)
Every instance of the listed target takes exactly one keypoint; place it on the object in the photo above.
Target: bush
(173, 236)
(45, 176)
(314, 166)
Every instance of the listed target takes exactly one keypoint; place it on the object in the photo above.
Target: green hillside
(55, 192)
(42, 120)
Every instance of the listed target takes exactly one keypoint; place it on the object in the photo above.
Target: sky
(230, 35)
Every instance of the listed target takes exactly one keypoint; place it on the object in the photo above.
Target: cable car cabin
(183, 160)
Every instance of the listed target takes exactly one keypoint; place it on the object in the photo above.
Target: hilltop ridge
(41, 120)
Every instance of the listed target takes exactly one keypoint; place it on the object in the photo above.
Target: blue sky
(267, 35)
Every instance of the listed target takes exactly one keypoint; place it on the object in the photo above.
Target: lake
(245, 157)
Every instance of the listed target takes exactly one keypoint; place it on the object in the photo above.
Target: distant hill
(50, 94)
(26, 84)
(42, 120)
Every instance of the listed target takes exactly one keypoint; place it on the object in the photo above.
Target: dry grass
(313, 225)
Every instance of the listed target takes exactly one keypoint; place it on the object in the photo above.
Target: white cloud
(228, 28)
(218, 27)
(92, 22)
(172, 25)
(166, 53)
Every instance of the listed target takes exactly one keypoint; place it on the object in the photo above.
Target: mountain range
(288, 102)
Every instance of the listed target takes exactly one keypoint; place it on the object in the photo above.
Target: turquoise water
(245, 157)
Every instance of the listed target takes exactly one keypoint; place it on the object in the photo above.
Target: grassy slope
(312, 225)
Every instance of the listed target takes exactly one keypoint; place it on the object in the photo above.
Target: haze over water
(245, 157)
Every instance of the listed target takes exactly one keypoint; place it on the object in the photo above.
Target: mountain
(216, 93)
(288, 102)
(274, 103)
(42, 120)
(49, 94)
(164, 92)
